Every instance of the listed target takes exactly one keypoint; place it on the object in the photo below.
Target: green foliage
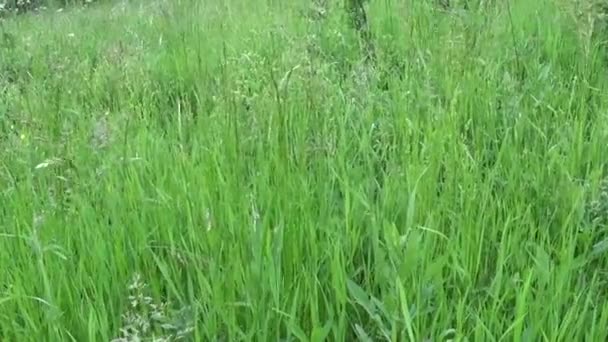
(24, 6)
(238, 170)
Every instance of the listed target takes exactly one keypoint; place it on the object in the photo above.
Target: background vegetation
(287, 171)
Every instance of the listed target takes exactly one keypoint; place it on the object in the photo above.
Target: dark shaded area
(359, 21)
(27, 6)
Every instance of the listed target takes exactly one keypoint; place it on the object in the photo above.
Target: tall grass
(237, 170)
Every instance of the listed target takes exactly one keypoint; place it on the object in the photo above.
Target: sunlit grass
(229, 170)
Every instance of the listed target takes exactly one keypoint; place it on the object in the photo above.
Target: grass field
(238, 171)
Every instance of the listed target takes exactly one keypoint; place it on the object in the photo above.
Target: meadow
(265, 170)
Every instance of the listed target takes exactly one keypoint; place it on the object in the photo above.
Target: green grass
(233, 170)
